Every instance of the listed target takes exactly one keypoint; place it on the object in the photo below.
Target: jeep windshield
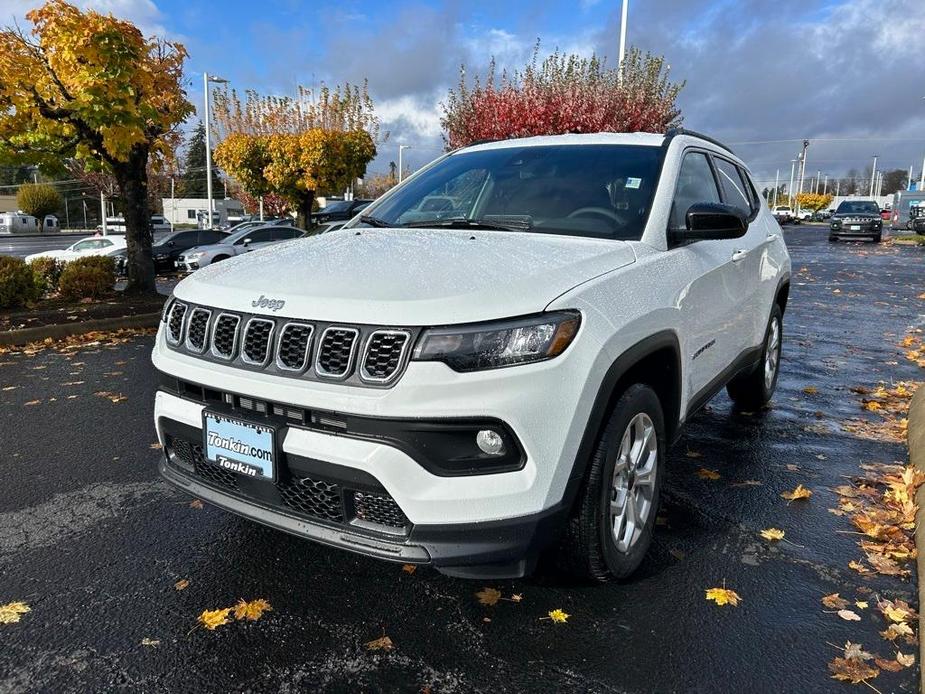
(597, 191)
(857, 207)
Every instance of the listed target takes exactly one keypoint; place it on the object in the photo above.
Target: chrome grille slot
(225, 335)
(258, 334)
(385, 352)
(197, 329)
(336, 352)
(175, 322)
(294, 349)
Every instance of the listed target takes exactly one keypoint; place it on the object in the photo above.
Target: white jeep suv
(468, 386)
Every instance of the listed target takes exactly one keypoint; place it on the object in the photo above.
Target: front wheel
(611, 528)
(753, 390)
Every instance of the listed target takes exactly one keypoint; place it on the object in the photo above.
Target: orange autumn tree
(296, 147)
(91, 88)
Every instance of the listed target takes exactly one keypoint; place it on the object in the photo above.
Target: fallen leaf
(894, 631)
(772, 534)
(849, 616)
(800, 492)
(859, 567)
(12, 611)
(747, 483)
(856, 650)
(32, 402)
(853, 670)
(196, 504)
(905, 660)
(860, 604)
(705, 474)
(810, 390)
(558, 616)
(212, 619)
(383, 643)
(517, 597)
(723, 596)
(154, 643)
(409, 568)
(693, 454)
(488, 596)
(251, 611)
(888, 665)
(182, 584)
(834, 602)
(156, 446)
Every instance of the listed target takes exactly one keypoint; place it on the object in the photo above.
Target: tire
(833, 239)
(219, 258)
(633, 439)
(878, 238)
(753, 390)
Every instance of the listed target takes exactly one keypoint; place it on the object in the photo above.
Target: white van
(18, 223)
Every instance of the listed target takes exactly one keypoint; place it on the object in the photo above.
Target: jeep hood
(406, 276)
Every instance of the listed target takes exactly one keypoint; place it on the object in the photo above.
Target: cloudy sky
(847, 74)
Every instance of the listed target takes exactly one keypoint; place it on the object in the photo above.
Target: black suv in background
(168, 247)
(340, 211)
(856, 219)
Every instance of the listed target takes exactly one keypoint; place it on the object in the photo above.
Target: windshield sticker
(633, 182)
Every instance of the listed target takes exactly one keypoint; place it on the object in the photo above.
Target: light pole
(776, 184)
(873, 175)
(802, 170)
(401, 148)
(623, 16)
(793, 166)
(206, 78)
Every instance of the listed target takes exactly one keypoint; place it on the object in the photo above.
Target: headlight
(500, 343)
(195, 256)
(162, 256)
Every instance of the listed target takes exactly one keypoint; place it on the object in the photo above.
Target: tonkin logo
(270, 304)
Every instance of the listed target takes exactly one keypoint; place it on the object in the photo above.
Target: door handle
(739, 255)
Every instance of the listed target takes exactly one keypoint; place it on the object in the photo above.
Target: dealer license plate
(855, 227)
(246, 448)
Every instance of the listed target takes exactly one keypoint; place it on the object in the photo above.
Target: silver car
(239, 242)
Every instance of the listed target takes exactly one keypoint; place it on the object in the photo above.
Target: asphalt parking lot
(94, 542)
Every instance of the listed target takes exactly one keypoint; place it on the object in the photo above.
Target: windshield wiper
(465, 223)
(376, 222)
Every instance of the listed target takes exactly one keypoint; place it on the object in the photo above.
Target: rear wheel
(753, 390)
(878, 238)
(219, 258)
(611, 528)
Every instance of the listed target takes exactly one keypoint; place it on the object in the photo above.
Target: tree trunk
(304, 211)
(132, 177)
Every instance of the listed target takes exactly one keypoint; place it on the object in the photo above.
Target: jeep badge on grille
(271, 304)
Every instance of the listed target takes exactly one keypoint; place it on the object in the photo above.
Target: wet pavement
(94, 542)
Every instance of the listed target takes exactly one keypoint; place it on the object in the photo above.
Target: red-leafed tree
(563, 94)
(273, 205)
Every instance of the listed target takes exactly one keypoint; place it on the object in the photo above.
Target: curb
(916, 437)
(58, 331)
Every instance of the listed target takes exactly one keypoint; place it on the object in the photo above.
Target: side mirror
(247, 242)
(171, 243)
(713, 221)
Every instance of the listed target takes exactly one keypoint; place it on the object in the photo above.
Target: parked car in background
(340, 211)
(325, 228)
(242, 241)
(783, 214)
(159, 223)
(856, 219)
(168, 247)
(886, 214)
(903, 202)
(803, 216)
(91, 245)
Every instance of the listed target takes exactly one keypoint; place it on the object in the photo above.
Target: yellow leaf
(723, 596)
(381, 644)
(182, 584)
(12, 611)
(559, 616)
(834, 602)
(905, 660)
(251, 611)
(800, 492)
(894, 631)
(849, 616)
(409, 568)
(705, 474)
(860, 604)
(212, 619)
(489, 596)
(772, 534)
(517, 597)
(810, 390)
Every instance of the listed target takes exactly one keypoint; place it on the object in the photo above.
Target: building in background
(191, 210)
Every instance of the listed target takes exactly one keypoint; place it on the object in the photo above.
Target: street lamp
(206, 78)
(623, 41)
(401, 148)
(873, 175)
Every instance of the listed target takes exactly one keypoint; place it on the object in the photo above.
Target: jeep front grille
(197, 329)
(384, 354)
(225, 335)
(380, 509)
(294, 350)
(314, 498)
(359, 355)
(257, 335)
(175, 322)
(335, 355)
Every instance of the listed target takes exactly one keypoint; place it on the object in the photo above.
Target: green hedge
(47, 273)
(17, 283)
(92, 277)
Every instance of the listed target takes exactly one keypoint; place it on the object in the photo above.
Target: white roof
(645, 139)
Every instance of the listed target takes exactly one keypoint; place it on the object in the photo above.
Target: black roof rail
(674, 132)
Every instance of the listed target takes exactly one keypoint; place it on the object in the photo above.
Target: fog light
(490, 442)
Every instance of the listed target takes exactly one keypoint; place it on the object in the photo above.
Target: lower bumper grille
(309, 497)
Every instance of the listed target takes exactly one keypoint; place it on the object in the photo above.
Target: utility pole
(776, 183)
(85, 213)
(825, 186)
(909, 181)
(837, 186)
(623, 16)
(261, 207)
(922, 181)
(103, 211)
(873, 175)
(173, 203)
(67, 215)
(401, 173)
(793, 166)
(802, 169)
(205, 88)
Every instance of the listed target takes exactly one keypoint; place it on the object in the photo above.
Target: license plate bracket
(242, 446)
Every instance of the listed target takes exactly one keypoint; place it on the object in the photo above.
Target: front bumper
(857, 230)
